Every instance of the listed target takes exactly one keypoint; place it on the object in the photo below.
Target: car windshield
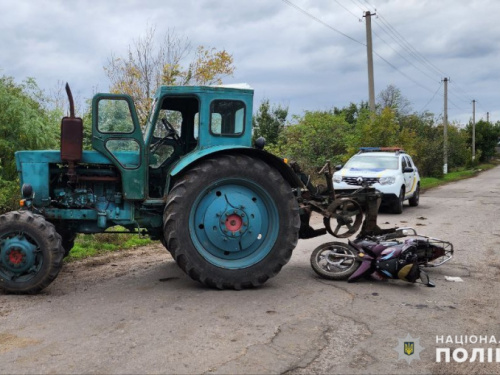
(372, 161)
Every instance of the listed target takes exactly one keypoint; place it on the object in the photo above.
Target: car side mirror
(338, 167)
(407, 170)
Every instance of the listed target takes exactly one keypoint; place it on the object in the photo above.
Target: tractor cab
(185, 123)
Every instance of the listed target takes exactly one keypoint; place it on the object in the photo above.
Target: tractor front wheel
(30, 252)
(231, 222)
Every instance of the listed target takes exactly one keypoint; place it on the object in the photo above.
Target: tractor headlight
(337, 178)
(387, 180)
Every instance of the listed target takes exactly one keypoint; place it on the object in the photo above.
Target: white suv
(388, 169)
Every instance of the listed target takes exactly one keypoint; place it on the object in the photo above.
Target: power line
(320, 21)
(433, 96)
(420, 56)
(403, 57)
(408, 47)
(357, 41)
(414, 55)
(367, 3)
(338, 2)
(363, 10)
(404, 74)
(396, 36)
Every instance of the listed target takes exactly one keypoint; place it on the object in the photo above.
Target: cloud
(284, 54)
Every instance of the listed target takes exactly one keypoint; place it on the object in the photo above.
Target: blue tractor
(226, 211)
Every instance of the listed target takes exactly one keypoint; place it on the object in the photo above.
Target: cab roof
(222, 89)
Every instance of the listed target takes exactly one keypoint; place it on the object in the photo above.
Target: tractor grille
(354, 180)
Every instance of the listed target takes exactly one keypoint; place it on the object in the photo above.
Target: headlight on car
(337, 178)
(387, 180)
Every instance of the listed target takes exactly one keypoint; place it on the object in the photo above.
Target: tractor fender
(275, 162)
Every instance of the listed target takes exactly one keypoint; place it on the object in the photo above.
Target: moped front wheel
(334, 261)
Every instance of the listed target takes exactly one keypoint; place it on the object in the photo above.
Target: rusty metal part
(348, 213)
(306, 231)
(71, 138)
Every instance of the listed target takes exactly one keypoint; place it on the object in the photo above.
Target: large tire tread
(213, 276)
(48, 238)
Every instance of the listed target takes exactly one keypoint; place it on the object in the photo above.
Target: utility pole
(473, 130)
(487, 117)
(445, 126)
(369, 52)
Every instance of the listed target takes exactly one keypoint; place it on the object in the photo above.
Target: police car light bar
(381, 149)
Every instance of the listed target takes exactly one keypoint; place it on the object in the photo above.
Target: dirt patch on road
(111, 265)
(9, 342)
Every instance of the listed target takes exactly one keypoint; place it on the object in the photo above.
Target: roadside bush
(9, 196)
(316, 138)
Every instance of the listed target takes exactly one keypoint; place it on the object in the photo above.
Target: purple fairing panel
(364, 268)
(391, 252)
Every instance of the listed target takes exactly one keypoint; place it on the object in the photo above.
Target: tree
(352, 112)
(26, 123)
(380, 130)
(317, 136)
(391, 97)
(269, 121)
(151, 62)
(487, 136)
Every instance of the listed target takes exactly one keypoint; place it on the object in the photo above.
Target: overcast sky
(284, 54)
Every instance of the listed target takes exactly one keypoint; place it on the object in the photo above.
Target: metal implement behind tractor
(230, 214)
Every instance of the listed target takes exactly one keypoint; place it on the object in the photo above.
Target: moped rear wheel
(334, 261)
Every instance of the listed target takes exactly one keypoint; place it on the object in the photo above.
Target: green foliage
(26, 123)
(338, 134)
(487, 136)
(269, 122)
(317, 137)
(9, 196)
(352, 112)
(376, 130)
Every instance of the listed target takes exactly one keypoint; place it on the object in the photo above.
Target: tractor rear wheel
(30, 252)
(231, 222)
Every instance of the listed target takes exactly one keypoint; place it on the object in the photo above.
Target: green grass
(431, 182)
(87, 245)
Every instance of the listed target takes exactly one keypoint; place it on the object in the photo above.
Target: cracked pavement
(136, 312)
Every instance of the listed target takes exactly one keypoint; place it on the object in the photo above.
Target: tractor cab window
(173, 118)
(175, 134)
(115, 122)
(114, 117)
(227, 117)
(175, 131)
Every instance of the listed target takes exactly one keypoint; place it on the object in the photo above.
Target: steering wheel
(171, 132)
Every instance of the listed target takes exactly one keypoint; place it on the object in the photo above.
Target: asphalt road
(136, 312)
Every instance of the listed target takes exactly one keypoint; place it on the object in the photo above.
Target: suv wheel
(416, 197)
(397, 208)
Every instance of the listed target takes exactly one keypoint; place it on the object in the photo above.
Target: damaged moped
(397, 254)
